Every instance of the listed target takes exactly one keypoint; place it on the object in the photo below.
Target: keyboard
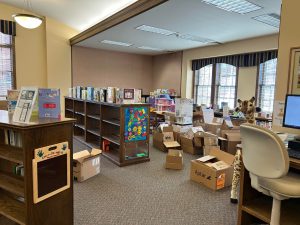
(294, 153)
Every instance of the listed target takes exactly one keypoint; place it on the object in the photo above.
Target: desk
(255, 207)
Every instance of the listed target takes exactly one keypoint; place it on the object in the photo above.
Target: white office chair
(266, 158)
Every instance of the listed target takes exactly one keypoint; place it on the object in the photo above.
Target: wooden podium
(17, 145)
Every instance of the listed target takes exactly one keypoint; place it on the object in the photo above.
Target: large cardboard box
(205, 139)
(174, 159)
(169, 142)
(86, 164)
(163, 135)
(215, 171)
(158, 140)
(232, 140)
(215, 126)
(187, 145)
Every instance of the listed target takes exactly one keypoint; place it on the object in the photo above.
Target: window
(266, 85)
(7, 78)
(226, 84)
(214, 84)
(203, 82)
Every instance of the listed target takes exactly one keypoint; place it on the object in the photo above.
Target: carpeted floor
(147, 193)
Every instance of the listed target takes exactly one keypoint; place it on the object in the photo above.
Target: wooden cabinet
(255, 207)
(108, 126)
(17, 144)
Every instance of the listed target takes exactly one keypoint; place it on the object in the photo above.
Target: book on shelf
(12, 138)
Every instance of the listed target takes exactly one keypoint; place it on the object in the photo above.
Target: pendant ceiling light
(28, 21)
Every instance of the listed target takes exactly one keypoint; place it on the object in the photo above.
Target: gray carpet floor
(148, 193)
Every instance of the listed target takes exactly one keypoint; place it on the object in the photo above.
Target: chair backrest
(264, 153)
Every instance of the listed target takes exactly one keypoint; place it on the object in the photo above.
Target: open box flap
(221, 155)
(80, 156)
(95, 152)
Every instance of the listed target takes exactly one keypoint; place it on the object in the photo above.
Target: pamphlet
(25, 104)
(49, 103)
(12, 99)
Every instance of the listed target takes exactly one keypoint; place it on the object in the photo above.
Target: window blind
(7, 72)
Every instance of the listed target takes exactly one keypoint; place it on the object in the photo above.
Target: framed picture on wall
(128, 93)
(294, 74)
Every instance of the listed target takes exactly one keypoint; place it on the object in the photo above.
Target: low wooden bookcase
(100, 123)
(17, 144)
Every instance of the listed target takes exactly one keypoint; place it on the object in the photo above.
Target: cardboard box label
(221, 181)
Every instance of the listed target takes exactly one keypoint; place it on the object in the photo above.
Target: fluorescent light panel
(270, 19)
(195, 38)
(116, 43)
(237, 6)
(151, 48)
(155, 30)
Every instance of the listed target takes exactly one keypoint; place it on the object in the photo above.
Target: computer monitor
(292, 112)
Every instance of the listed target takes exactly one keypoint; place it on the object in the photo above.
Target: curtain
(239, 60)
(8, 27)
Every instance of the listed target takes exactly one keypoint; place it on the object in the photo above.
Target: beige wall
(100, 68)
(167, 71)
(43, 55)
(243, 46)
(289, 37)
(30, 52)
(59, 56)
(247, 82)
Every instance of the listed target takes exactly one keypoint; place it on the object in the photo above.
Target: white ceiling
(184, 16)
(188, 17)
(78, 14)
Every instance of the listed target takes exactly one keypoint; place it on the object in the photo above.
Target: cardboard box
(215, 172)
(158, 140)
(230, 141)
(215, 126)
(174, 159)
(187, 145)
(86, 164)
(184, 120)
(208, 148)
(181, 128)
(162, 135)
(205, 139)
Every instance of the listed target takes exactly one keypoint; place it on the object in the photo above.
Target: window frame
(214, 87)
(13, 57)
(258, 86)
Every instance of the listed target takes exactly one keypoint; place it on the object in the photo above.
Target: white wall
(246, 82)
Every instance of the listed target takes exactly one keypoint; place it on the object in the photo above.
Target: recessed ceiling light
(195, 38)
(151, 48)
(237, 6)
(270, 19)
(116, 43)
(155, 30)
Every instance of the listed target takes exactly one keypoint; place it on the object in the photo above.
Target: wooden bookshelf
(16, 190)
(99, 122)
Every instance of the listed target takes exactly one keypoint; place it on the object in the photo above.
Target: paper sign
(208, 115)
(25, 104)
(228, 121)
(225, 111)
(278, 113)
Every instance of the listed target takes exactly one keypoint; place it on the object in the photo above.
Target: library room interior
(149, 112)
